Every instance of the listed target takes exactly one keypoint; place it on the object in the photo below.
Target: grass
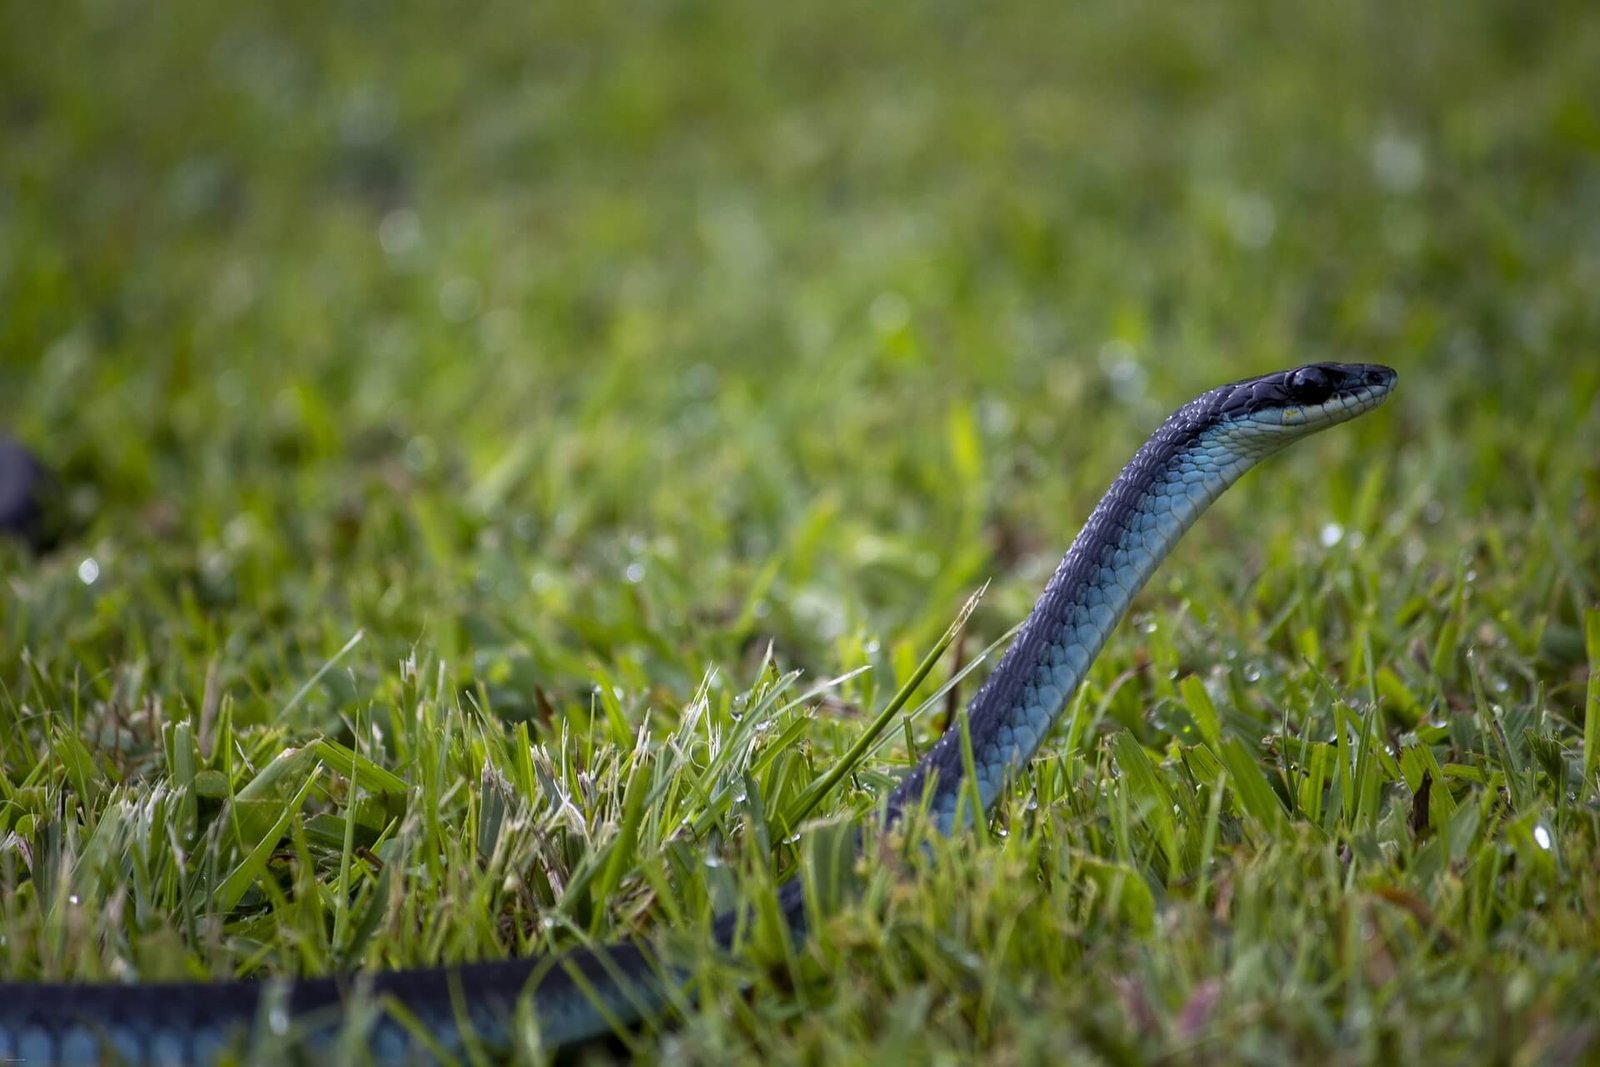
(510, 459)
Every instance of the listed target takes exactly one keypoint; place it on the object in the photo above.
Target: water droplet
(400, 232)
(1251, 218)
(89, 571)
(1398, 163)
(634, 573)
(1332, 534)
(1126, 375)
(1541, 836)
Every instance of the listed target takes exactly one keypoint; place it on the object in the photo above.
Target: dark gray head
(1236, 425)
(1292, 403)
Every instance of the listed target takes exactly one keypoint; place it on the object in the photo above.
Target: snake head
(1292, 403)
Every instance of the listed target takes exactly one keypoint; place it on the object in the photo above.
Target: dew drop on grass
(400, 232)
(1251, 218)
(1332, 534)
(1398, 163)
(89, 571)
(1541, 836)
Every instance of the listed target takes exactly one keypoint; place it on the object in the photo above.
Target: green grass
(492, 434)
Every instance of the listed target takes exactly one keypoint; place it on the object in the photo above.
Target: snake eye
(1310, 385)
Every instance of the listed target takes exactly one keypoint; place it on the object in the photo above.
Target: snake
(586, 994)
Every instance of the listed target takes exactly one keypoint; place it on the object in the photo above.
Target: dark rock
(25, 491)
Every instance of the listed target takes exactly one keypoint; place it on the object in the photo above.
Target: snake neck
(1172, 479)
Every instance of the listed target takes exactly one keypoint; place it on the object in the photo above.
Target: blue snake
(1200, 450)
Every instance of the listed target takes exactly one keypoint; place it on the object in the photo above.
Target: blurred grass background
(564, 345)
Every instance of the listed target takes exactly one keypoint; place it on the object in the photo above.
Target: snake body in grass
(1199, 451)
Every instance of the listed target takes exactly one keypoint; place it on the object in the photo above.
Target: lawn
(469, 424)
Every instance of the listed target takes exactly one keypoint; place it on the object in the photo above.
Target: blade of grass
(854, 755)
(1591, 714)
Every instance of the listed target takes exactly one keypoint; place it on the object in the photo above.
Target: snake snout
(1378, 376)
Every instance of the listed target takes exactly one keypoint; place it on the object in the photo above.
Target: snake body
(1200, 450)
